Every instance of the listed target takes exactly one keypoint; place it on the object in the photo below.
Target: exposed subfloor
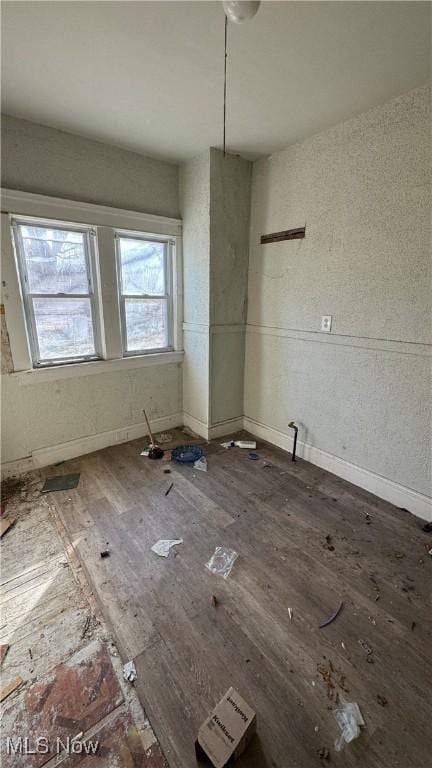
(307, 540)
(70, 670)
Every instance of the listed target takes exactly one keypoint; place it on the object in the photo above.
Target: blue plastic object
(187, 454)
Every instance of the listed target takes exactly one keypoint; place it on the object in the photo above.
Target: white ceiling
(148, 76)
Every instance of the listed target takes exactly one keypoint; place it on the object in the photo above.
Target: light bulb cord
(225, 86)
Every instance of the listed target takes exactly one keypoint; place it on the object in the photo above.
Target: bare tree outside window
(144, 294)
(55, 271)
(66, 318)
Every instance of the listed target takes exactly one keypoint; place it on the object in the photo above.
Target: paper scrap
(201, 464)
(129, 671)
(163, 546)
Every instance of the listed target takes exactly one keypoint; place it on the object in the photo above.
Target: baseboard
(396, 494)
(216, 430)
(43, 457)
(226, 427)
(196, 425)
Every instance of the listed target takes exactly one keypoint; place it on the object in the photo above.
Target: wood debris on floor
(10, 687)
(3, 651)
(61, 673)
(5, 524)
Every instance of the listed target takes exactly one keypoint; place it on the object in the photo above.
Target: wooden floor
(306, 541)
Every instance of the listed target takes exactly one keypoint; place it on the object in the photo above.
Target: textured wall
(230, 186)
(50, 162)
(227, 372)
(195, 210)
(215, 203)
(229, 235)
(46, 414)
(363, 191)
(6, 356)
(196, 376)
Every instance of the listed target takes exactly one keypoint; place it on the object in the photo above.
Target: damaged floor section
(71, 692)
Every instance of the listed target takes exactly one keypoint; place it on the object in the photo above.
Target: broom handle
(148, 427)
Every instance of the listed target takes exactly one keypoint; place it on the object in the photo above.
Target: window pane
(146, 324)
(55, 260)
(64, 328)
(142, 267)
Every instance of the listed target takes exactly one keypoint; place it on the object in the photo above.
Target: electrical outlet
(326, 323)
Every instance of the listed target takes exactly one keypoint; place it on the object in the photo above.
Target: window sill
(40, 375)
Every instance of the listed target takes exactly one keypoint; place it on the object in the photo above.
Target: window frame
(28, 296)
(104, 221)
(167, 296)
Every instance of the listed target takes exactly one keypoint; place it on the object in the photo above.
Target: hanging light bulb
(240, 11)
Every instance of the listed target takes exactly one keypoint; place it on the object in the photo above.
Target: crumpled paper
(129, 671)
(163, 546)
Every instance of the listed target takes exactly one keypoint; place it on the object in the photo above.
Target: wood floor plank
(306, 540)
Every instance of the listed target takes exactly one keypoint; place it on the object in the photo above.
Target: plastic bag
(201, 464)
(222, 561)
(163, 546)
(349, 719)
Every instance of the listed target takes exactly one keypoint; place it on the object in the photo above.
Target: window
(89, 288)
(55, 266)
(145, 288)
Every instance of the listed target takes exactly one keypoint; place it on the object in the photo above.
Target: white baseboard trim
(396, 494)
(43, 457)
(226, 427)
(215, 430)
(196, 425)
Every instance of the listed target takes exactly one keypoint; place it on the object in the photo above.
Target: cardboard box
(227, 732)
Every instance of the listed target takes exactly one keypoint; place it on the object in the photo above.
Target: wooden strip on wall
(287, 234)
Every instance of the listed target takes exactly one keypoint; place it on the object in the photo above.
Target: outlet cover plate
(326, 323)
